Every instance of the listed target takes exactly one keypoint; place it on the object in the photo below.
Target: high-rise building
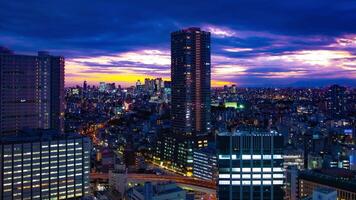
(190, 99)
(250, 165)
(85, 86)
(190, 75)
(32, 92)
(44, 165)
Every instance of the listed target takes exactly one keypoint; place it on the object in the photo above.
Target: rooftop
(338, 178)
(189, 30)
(250, 133)
(160, 188)
(36, 135)
(324, 190)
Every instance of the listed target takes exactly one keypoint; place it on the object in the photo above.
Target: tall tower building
(31, 91)
(190, 74)
(250, 165)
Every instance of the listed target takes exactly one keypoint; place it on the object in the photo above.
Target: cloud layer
(254, 43)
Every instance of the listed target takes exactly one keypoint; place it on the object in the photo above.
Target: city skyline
(253, 45)
(183, 100)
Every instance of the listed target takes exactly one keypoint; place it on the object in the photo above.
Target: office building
(341, 180)
(32, 92)
(190, 75)
(293, 158)
(250, 165)
(205, 164)
(44, 164)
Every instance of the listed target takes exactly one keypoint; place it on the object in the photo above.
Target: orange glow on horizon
(77, 73)
(124, 80)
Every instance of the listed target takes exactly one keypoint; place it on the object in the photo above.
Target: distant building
(336, 101)
(162, 191)
(293, 158)
(314, 161)
(341, 180)
(32, 92)
(340, 163)
(159, 84)
(250, 165)
(102, 87)
(44, 165)
(167, 84)
(324, 194)
(205, 164)
(85, 86)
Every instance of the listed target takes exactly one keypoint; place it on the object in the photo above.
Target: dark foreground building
(31, 91)
(44, 165)
(250, 166)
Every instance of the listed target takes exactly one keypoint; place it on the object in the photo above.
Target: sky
(255, 43)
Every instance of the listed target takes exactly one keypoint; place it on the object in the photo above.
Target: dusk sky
(254, 43)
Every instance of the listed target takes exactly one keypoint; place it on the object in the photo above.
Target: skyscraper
(190, 100)
(190, 74)
(32, 92)
(250, 165)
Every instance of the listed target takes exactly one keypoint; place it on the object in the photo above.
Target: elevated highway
(183, 181)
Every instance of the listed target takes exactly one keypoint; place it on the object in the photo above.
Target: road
(159, 178)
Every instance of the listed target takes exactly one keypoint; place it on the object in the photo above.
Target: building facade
(32, 92)
(44, 165)
(250, 165)
(205, 164)
(291, 183)
(190, 94)
(190, 75)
